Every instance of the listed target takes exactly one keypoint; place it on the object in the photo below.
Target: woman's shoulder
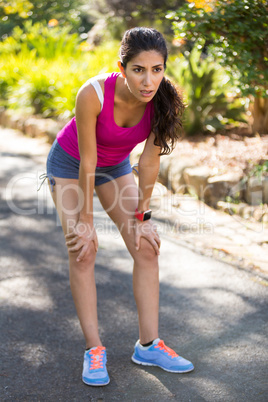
(99, 79)
(91, 93)
(88, 89)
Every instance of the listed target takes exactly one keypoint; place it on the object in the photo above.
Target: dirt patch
(223, 153)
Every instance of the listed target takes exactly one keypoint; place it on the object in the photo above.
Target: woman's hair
(168, 104)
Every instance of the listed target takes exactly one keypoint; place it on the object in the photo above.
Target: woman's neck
(123, 93)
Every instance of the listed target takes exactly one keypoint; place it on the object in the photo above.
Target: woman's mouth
(146, 93)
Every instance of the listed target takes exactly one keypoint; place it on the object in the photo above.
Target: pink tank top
(114, 143)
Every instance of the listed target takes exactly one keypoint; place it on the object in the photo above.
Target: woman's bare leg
(82, 279)
(120, 198)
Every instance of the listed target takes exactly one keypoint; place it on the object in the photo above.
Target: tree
(121, 15)
(236, 34)
(15, 12)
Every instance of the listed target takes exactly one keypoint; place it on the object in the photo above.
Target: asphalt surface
(211, 313)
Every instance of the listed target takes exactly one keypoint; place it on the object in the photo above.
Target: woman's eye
(139, 70)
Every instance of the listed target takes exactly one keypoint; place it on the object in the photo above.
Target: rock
(2, 115)
(257, 190)
(49, 127)
(258, 213)
(171, 173)
(247, 212)
(35, 127)
(196, 179)
(265, 218)
(232, 208)
(31, 127)
(220, 186)
(5, 118)
(265, 190)
(163, 175)
(14, 121)
(176, 178)
(210, 189)
(21, 125)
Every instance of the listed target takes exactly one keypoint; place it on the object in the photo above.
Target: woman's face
(144, 74)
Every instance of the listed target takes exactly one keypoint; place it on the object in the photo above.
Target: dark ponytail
(168, 104)
(168, 109)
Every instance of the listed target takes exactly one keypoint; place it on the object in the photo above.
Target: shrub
(205, 86)
(48, 86)
(48, 42)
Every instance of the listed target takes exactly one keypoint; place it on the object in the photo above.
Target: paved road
(212, 313)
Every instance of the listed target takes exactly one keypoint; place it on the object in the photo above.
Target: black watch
(143, 216)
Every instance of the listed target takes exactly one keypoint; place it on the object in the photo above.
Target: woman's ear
(121, 68)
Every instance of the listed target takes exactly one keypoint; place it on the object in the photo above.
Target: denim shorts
(61, 164)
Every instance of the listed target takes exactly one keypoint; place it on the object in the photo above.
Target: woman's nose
(147, 80)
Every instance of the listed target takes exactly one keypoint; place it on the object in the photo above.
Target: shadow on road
(211, 313)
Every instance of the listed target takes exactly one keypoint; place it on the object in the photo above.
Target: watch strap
(144, 215)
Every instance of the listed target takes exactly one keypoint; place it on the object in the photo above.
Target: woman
(114, 112)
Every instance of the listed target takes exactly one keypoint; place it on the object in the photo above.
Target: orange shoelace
(96, 358)
(166, 349)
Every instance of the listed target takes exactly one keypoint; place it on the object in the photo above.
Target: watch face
(147, 215)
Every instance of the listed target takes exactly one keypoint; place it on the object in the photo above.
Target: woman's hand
(148, 231)
(80, 239)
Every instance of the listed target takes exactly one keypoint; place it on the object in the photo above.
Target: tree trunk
(260, 115)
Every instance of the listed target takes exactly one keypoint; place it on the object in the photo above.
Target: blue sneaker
(94, 368)
(158, 354)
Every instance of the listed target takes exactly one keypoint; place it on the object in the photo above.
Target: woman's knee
(87, 263)
(146, 252)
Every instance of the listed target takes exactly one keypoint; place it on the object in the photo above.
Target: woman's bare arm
(148, 170)
(87, 109)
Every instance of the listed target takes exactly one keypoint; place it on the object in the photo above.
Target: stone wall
(182, 175)
(32, 126)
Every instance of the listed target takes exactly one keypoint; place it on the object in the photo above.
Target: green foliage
(205, 86)
(49, 86)
(236, 34)
(73, 13)
(45, 41)
(81, 15)
(20, 7)
(259, 170)
(235, 199)
(120, 15)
